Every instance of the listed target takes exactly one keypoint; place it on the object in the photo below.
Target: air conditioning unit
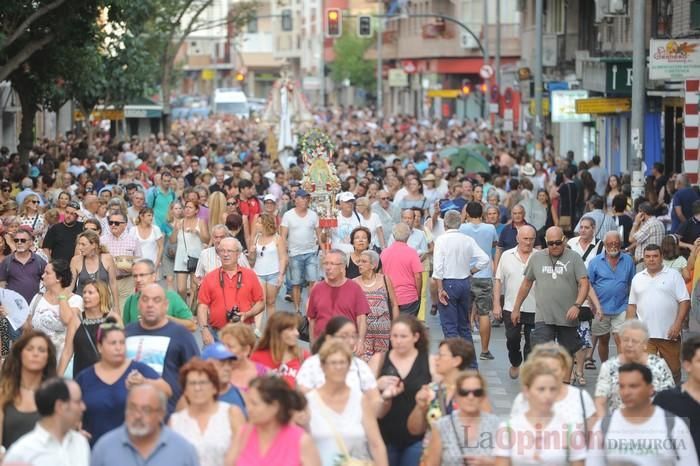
(466, 41)
(606, 9)
(618, 8)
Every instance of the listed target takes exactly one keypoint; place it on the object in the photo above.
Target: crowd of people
(152, 270)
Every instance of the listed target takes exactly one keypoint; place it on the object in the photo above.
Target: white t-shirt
(149, 246)
(556, 444)
(645, 444)
(210, 260)
(360, 376)
(657, 299)
(575, 246)
(301, 238)
(511, 271)
(372, 224)
(569, 407)
(341, 234)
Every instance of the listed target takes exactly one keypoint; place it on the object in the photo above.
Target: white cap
(270, 176)
(269, 197)
(346, 197)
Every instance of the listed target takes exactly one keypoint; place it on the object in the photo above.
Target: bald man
(562, 287)
(158, 341)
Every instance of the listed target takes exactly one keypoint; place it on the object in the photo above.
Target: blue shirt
(164, 349)
(233, 397)
(612, 287)
(105, 403)
(684, 199)
(115, 449)
(485, 236)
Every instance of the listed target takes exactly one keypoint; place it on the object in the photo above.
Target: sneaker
(487, 355)
(288, 298)
(496, 322)
(514, 372)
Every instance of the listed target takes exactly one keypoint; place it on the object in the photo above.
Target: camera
(233, 315)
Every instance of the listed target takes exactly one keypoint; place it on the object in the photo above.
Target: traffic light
(240, 76)
(364, 26)
(287, 24)
(466, 88)
(334, 23)
(483, 88)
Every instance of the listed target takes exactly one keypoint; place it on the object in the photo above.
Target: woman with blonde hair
(29, 215)
(149, 235)
(240, 340)
(278, 349)
(571, 403)
(81, 336)
(270, 257)
(217, 209)
(93, 262)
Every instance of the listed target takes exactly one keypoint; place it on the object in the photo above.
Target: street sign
(398, 78)
(545, 106)
(486, 71)
(408, 66)
(445, 93)
(603, 105)
(208, 75)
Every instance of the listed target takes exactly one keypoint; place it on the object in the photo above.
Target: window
(252, 26)
(555, 17)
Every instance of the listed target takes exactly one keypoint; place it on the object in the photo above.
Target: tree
(177, 19)
(350, 63)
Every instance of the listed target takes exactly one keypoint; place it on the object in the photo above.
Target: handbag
(344, 459)
(303, 327)
(565, 220)
(191, 261)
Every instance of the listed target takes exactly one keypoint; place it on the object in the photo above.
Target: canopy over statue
(286, 111)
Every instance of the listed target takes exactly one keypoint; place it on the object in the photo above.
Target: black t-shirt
(61, 239)
(679, 402)
(689, 230)
(567, 199)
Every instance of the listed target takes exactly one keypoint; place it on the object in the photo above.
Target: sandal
(433, 310)
(578, 379)
(590, 364)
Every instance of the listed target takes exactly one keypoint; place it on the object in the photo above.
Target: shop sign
(604, 105)
(398, 78)
(564, 106)
(674, 59)
(445, 93)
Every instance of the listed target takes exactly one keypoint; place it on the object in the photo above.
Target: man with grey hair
(334, 296)
(144, 438)
(144, 273)
(401, 263)
(209, 259)
(456, 257)
(230, 293)
(389, 213)
(610, 275)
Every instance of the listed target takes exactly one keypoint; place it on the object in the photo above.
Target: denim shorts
(270, 278)
(303, 268)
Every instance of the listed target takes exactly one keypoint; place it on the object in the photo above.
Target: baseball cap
(217, 351)
(74, 205)
(346, 197)
(302, 193)
(269, 197)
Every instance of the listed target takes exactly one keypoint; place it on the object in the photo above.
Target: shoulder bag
(191, 261)
(344, 459)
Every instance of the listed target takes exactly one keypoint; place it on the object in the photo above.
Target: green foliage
(350, 63)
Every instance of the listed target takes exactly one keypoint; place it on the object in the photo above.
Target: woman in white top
(539, 435)
(208, 424)
(571, 403)
(371, 221)
(149, 235)
(270, 257)
(54, 310)
(359, 375)
(339, 429)
(190, 234)
(29, 215)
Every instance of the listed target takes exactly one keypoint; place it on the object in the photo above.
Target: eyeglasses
(383, 198)
(115, 223)
(555, 243)
(228, 252)
(21, 240)
(477, 392)
(198, 383)
(33, 201)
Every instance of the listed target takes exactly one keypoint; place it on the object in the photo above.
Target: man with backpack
(640, 433)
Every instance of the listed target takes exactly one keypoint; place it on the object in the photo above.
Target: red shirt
(288, 370)
(211, 294)
(326, 302)
(250, 207)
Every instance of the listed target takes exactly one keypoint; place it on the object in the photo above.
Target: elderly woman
(634, 336)
(360, 239)
(454, 439)
(371, 221)
(240, 340)
(383, 306)
(208, 424)
(339, 429)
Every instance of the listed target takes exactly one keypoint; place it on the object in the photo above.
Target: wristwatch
(579, 306)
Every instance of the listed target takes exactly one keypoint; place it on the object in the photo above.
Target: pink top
(283, 451)
(400, 262)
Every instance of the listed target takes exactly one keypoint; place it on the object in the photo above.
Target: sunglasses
(477, 392)
(21, 240)
(34, 201)
(555, 243)
(6, 190)
(231, 204)
(114, 223)
(262, 250)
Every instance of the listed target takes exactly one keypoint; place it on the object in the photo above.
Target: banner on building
(564, 106)
(674, 59)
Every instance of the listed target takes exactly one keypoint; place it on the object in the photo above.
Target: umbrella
(468, 157)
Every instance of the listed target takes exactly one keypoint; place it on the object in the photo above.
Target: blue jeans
(303, 268)
(454, 318)
(406, 456)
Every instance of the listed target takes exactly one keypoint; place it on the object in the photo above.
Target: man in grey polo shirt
(562, 287)
(144, 439)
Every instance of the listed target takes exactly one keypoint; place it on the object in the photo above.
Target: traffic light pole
(380, 66)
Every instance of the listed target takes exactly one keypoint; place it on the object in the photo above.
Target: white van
(231, 101)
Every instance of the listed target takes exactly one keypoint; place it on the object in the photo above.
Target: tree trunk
(26, 135)
(166, 87)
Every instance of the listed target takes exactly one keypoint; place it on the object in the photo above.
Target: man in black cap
(59, 242)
